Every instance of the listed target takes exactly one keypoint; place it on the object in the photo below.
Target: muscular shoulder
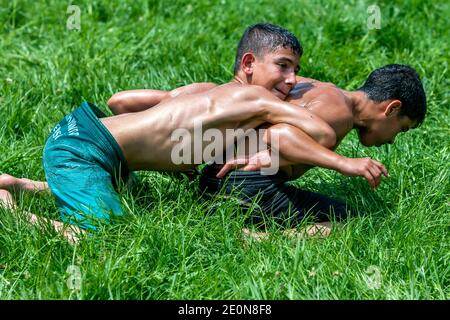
(256, 91)
(192, 88)
(331, 104)
(317, 95)
(245, 92)
(330, 95)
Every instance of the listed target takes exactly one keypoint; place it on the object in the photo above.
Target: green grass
(167, 247)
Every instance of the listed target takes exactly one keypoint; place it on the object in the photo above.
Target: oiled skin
(326, 101)
(145, 137)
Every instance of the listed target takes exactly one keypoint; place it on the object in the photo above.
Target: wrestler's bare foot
(321, 230)
(258, 236)
(11, 183)
(71, 233)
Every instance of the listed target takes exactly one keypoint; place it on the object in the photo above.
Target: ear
(392, 108)
(247, 61)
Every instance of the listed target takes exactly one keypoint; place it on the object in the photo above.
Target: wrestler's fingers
(382, 168)
(224, 170)
(230, 165)
(369, 178)
(376, 174)
(251, 167)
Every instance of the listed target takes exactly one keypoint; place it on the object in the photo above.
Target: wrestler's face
(276, 71)
(384, 130)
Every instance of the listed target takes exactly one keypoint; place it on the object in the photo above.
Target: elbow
(327, 138)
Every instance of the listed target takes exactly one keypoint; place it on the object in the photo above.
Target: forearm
(140, 100)
(135, 100)
(296, 147)
(303, 119)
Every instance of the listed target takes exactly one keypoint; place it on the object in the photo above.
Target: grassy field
(167, 247)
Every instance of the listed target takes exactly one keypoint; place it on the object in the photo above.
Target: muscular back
(145, 137)
(328, 102)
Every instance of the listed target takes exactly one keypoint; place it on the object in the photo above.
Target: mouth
(280, 93)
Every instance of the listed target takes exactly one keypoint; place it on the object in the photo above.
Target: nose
(291, 80)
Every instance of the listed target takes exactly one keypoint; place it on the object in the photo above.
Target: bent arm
(135, 100)
(277, 112)
(289, 146)
(297, 147)
(140, 100)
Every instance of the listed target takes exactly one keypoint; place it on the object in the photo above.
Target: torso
(145, 137)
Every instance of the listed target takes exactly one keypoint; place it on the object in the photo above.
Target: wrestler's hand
(252, 163)
(363, 167)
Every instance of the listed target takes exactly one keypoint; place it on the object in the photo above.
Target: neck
(237, 80)
(242, 79)
(360, 108)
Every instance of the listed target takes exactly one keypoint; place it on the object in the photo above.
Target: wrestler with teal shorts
(83, 165)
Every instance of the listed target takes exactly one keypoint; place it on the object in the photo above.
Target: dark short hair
(397, 81)
(262, 38)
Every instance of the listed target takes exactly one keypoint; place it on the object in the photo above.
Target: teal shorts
(84, 165)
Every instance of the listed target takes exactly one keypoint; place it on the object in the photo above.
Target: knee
(6, 199)
(7, 181)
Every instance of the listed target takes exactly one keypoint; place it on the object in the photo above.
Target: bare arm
(276, 111)
(296, 147)
(140, 100)
(135, 100)
(304, 138)
(293, 147)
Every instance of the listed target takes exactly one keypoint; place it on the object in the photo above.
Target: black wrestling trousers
(270, 196)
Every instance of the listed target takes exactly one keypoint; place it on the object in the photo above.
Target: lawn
(168, 246)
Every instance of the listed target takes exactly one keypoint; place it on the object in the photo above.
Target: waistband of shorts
(107, 141)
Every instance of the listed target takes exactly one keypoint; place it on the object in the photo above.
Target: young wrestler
(392, 100)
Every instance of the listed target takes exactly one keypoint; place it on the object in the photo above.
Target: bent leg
(14, 184)
(273, 197)
(321, 230)
(289, 206)
(7, 200)
(70, 233)
(85, 195)
(83, 164)
(317, 206)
